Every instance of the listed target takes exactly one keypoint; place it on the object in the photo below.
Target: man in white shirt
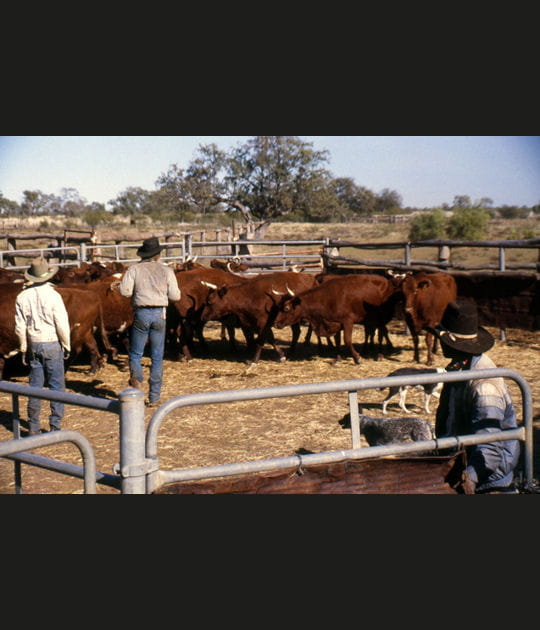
(42, 327)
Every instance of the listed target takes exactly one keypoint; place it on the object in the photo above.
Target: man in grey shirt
(150, 284)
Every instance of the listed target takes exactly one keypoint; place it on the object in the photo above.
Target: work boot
(133, 382)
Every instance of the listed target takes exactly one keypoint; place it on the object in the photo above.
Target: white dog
(430, 389)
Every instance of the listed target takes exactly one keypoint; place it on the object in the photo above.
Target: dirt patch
(235, 432)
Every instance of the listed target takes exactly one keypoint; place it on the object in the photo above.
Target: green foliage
(513, 212)
(96, 216)
(468, 224)
(277, 178)
(428, 225)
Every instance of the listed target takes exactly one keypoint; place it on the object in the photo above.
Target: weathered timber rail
(325, 253)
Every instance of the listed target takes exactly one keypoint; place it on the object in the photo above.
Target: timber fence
(264, 254)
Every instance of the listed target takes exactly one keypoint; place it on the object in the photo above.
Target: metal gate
(139, 472)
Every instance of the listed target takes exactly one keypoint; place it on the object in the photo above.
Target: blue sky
(425, 170)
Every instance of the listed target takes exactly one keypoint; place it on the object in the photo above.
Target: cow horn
(289, 291)
(277, 292)
(229, 266)
(209, 284)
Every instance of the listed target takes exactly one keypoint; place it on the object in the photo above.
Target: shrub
(428, 225)
(468, 224)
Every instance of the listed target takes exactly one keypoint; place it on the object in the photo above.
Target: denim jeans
(46, 360)
(148, 324)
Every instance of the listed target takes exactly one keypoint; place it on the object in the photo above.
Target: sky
(426, 171)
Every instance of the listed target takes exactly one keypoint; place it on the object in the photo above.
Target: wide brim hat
(149, 248)
(460, 331)
(39, 271)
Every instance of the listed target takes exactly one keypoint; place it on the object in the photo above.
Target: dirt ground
(236, 432)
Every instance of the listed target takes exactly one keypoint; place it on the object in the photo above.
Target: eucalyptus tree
(267, 177)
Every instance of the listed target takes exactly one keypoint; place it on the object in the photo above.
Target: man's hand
(467, 484)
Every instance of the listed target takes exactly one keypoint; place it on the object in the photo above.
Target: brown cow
(377, 317)
(336, 305)
(87, 272)
(117, 311)
(85, 316)
(10, 275)
(255, 303)
(426, 296)
(184, 315)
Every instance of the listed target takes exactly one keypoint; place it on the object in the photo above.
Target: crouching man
(479, 406)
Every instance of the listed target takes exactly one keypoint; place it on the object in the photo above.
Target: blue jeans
(46, 360)
(148, 324)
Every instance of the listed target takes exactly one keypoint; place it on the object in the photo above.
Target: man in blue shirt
(477, 406)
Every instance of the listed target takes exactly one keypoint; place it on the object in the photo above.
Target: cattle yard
(245, 431)
(282, 427)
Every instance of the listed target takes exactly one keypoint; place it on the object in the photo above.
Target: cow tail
(103, 332)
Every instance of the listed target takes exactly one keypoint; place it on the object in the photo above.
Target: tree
(131, 201)
(388, 201)
(71, 203)
(36, 202)
(275, 176)
(8, 207)
(266, 178)
(358, 200)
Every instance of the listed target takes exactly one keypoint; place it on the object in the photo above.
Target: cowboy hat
(149, 248)
(459, 329)
(39, 271)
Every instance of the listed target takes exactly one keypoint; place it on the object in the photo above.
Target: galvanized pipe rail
(12, 447)
(17, 448)
(156, 477)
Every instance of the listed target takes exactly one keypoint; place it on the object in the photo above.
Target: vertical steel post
(16, 435)
(355, 419)
(132, 441)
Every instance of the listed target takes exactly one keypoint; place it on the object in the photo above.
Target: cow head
(289, 311)
(415, 288)
(216, 305)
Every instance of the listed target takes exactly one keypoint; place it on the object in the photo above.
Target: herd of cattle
(329, 305)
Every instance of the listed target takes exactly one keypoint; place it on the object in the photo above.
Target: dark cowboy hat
(39, 271)
(149, 248)
(459, 329)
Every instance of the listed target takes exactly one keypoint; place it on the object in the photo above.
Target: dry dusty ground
(234, 432)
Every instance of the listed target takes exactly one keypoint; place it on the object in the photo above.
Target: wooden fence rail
(70, 249)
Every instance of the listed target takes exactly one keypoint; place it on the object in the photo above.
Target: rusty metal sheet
(403, 475)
